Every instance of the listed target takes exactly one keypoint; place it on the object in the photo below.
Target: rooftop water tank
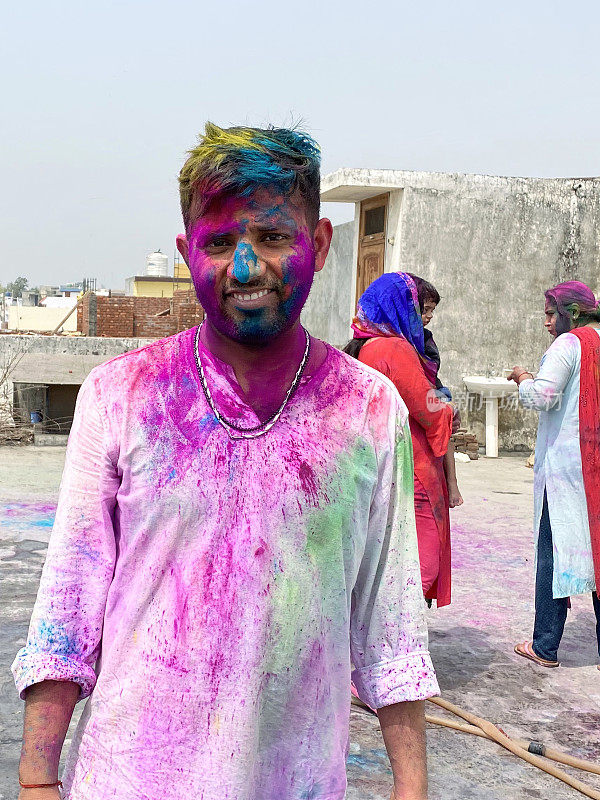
(157, 265)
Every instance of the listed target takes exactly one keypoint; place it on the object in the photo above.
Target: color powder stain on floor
(27, 520)
(368, 768)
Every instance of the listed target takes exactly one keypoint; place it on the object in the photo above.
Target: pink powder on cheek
(298, 272)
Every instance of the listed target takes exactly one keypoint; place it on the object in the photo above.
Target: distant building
(160, 285)
(151, 286)
(29, 297)
(49, 291)
(69, 289)
(42, 386)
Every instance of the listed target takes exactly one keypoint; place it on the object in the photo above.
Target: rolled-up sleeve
(389, 644)
(545, 391)
(66, 625)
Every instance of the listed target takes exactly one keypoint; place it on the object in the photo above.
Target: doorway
(371, 241)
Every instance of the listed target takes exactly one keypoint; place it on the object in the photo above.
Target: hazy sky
(101, 100)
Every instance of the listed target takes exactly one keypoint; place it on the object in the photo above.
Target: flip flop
(525, 649)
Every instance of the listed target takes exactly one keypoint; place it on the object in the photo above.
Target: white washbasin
(492, 388)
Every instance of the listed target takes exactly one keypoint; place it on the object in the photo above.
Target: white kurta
(228, 584)
(555, 394)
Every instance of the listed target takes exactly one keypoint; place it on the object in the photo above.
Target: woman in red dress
(388, 336)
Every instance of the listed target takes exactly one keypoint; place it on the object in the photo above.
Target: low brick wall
(143, 317)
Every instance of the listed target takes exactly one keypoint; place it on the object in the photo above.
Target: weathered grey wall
(74, 345)
(53, 360)
(327, 313)
(491, 246)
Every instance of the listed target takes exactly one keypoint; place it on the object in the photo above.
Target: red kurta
(431, 428)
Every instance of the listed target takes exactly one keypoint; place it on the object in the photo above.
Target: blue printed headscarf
(390, 307)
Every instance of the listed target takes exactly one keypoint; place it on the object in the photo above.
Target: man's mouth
(251, 298)
(250, 295)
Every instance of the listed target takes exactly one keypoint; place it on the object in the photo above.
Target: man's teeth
(253, 296)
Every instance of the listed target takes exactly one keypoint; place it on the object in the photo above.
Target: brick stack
(143, 317)
(186, 309)
(466, 443)
(146, 327)
(115, 316)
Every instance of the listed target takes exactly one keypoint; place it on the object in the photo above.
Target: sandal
(525, 649)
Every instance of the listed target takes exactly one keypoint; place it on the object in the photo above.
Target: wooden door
(371, 241)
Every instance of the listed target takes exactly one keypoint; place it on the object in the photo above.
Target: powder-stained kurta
(555, 394)
(211, 593)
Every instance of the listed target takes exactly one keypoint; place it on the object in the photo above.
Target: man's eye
(273, 237)
(219, 241)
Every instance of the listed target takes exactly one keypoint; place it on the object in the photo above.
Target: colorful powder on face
(266, 240)
(245, 263)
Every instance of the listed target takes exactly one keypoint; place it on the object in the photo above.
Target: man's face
(550, 319)
(428, 309)
(252, 262)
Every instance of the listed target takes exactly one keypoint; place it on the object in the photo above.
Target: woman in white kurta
(564, 559)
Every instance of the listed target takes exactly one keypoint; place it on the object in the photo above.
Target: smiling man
(235, 528)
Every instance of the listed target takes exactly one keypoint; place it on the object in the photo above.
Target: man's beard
(256, 327)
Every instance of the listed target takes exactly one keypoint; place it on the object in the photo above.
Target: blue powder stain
(49, 636)
(172, 474)
(243, 259)
(25, 521)
(84, 550)
(374, 761)
(208, 422)
(186, 382)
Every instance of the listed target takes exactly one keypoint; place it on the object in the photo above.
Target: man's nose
(245, 265)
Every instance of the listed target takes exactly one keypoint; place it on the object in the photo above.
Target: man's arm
(388, 634)
(56, 666)
(48, 709)
(403, 729)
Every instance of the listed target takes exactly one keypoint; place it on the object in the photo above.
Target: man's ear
(575, 311)
(183, 247)
(322, 240)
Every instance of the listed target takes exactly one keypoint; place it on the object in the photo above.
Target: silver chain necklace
(234, 431)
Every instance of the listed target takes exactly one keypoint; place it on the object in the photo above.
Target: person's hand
(454, 496)
(517, 373)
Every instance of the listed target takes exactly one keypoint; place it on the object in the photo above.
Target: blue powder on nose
(244, 259)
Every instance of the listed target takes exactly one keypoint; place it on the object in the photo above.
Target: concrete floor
(471, 640)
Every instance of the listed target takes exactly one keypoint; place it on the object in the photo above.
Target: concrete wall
(491, 246)
(38, 318)
(52, 360)
(329, 309)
